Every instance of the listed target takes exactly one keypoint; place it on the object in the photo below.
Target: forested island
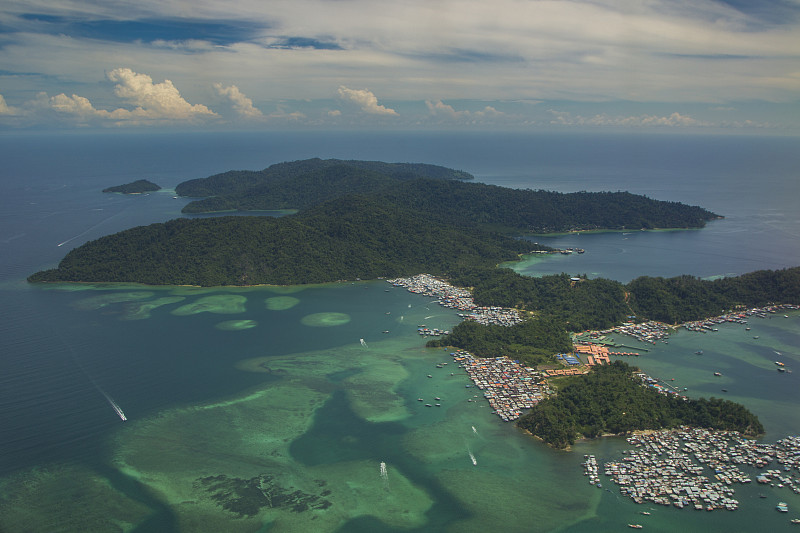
(611, 400)
(355, 220)
(436, 192)
(135, 187)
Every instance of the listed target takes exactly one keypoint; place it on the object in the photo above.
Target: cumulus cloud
(564, 118)
(155, 103)
(241, 103)
(154, 100)
(440, 109)
(5, 109)
(366, 100)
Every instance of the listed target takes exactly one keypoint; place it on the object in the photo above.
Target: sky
(645, 65)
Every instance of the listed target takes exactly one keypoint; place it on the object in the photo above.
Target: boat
(795, 520)
(779, 363)
(782, 507)
(781, 369)
(646, 513)
(724, 390)
(419, 399)
(717, 374)
(755, 336)
(699, 352)
(635, 526)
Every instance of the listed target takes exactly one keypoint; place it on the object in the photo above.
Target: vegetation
(533, 341)
(602, 303)
(347, 238)
(684, 298)
(578, 305)
(438, 192)
(136, 187)
(610, 399)
(356, 219)
(301, 184)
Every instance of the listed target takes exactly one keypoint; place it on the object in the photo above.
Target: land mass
(135, 187)
(611, 400)
(355, 220)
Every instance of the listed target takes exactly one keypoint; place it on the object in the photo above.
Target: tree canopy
(610, 399)
(138, 186)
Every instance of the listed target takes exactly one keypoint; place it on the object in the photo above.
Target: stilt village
(667, 467)
(511, 387)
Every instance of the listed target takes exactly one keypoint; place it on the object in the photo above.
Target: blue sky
(654, 65)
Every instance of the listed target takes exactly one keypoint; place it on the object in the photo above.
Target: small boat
(419, 399)
(795, 520)
(699, 352)
(430, 376)
(646, 513)
(635, 526)
(437, 399)
(717, 374)
(782, 507)
(755, 336)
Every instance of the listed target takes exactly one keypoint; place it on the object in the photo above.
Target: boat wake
(113, 404)
(472, 457)
(90, 229)
(384, 476)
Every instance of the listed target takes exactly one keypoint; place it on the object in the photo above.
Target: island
(135, 187)
(354, 220)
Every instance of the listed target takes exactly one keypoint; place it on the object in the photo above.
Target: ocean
(260, 409)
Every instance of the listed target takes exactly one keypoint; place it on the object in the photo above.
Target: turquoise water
(235, 394)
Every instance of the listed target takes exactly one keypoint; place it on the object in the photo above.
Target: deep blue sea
(232, 391)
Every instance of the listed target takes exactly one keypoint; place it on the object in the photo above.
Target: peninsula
(135, 187)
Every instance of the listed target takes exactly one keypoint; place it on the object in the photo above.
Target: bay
(231, 391)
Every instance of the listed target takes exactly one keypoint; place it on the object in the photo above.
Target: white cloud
(564, 118)
(365, 100)
(439, 108)
(5, 109)
(154, 100)
(241, 103)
